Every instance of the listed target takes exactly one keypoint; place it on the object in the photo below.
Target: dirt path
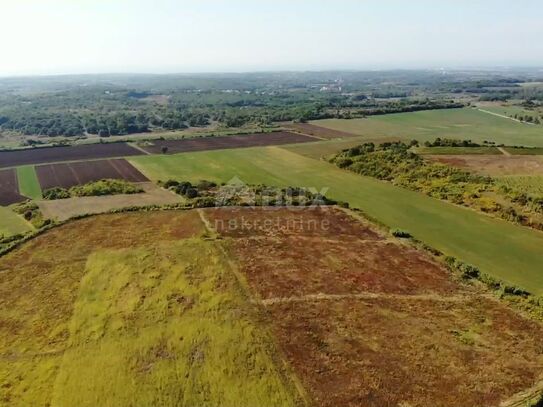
(139, 148)
(504, 116)
(372, 296)
(504, 151)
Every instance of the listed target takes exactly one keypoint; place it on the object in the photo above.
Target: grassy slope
(11, 223)
(28, 182)
(454, 123)
(137, 313)
(507, 251)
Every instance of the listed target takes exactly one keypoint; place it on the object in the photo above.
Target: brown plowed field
(67, 175)
(9, 188)
(227, 142)
(367, 321)
(318, 131)
(71, 153)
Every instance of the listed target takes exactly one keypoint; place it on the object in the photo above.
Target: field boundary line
(134, 145)
(504, 116)
(252, 298)
(504, 151)
(372, 296)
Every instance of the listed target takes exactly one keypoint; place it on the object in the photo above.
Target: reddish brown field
(367, 321)
(9, 188)
(494, 164)
(227, 142)
(71, 153)
(318, 131)
(67, 175)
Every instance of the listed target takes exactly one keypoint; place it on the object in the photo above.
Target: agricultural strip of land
(321, 149)
(495, 165)
(504, 250)
(448, 123)
(524, 151)
(318, 131)
(366, 321)
(63, 209)
(140, 311)
(218, 143)
(69, 153)
(9, 188)
(67, 175)
(28, 182)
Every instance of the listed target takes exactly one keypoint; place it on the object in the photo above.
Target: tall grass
(166, 326)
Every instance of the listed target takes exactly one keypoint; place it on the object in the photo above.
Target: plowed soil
(69, 153)
(227, 142)
(67, 175)
(9, 188)
(318, 131)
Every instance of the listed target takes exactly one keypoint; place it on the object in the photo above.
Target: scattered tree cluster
(98, 188)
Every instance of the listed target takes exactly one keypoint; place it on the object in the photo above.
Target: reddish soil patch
(227, 142)
(390, 352)
(318, 131)
(365, 320)
(69, 153)
(9, 188)
(494, 164)
(67, 175)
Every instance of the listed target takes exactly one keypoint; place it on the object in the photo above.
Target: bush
(98, 188)
(402, 234)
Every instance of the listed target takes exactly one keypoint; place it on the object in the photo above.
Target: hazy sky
(77, 36)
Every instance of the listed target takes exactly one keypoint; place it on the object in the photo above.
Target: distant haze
(165, 36)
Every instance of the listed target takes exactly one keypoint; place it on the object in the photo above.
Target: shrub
(402, 234)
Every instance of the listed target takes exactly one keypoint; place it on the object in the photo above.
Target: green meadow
(11, 223)
(467, 123)
(29, 185)
(504, 250)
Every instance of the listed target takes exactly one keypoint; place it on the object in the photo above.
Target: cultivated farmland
(226, 142)
(28, 182)
(9, 188)
(506, 251)
(67, 175)
(318, 131)
(453, 123)
(69, 153)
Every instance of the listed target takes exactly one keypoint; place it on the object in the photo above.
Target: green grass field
(29, 185)
(524, 151)
(321, 149)
(457, 150)
(11, 223)
(465, 123)
(502, 249)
